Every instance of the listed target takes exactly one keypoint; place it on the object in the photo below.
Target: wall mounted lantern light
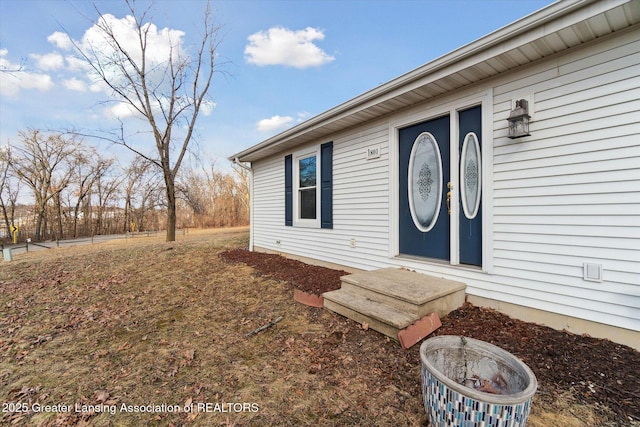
(519, 120)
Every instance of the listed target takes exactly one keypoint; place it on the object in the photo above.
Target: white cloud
(207, 107)
(49, 61)
(77, 64)
(75, 85)
(12, 82)
(99, 86)
(122, 110)
(61, 40)
(159, 42)
(281, 46)
(5, 64)
(23, 80)
(274, 123)
(162, 44)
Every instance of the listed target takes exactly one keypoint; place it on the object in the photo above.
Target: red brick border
(415, 333)
(308, 299)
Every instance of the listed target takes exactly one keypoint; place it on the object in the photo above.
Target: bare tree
(217, 199)
(42, 161)
(88, 167)
(243, 193)
(194, 190)
(140, 193)
(106, 189)
(9, 188)
(169, 95)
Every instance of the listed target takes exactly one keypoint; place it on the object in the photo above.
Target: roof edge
(530, 22)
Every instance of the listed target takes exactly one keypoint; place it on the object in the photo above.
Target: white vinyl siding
(568, 194)
(360, 204)
(268, 200)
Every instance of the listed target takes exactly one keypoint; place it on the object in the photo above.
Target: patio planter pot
(471, 383)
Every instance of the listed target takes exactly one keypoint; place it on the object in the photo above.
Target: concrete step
(380, 316)
(408, 291)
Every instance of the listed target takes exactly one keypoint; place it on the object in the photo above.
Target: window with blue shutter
(326, 185)
(308, 187)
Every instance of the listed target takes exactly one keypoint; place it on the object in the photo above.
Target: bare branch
(167, 93)
(114, 139)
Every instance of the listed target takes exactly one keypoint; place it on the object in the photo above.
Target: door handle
(449, 186)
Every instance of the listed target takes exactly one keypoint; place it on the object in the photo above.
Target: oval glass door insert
(425, 181)
(470, 175)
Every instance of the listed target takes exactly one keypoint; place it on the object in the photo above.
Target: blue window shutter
(288, 190)
(326, 185)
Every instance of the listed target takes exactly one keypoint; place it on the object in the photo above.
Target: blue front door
(470, 218)
(424, 174)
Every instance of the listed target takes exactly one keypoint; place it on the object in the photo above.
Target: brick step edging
(308, 299)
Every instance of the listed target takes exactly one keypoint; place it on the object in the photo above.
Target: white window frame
(297, 220)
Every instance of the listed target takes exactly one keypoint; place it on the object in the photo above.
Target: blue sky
(284, 61)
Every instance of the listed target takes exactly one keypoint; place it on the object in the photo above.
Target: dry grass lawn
(143, 332)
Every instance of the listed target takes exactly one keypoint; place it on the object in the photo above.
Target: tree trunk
(39, 221)
(75, 221)
(97, 226)
(87, 219)
(58, 208)
(127, 215)
(6, 217)
(171, 209)
(76, 211)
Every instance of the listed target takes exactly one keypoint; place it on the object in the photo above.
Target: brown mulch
(595, 371)
(309, 278)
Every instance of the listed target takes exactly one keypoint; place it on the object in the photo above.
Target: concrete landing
(391, 299)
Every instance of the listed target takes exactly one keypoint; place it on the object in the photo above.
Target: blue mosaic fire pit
(471, 383)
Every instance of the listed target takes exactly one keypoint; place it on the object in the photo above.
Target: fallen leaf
(124, 346)
(315, 368)
(101, 396)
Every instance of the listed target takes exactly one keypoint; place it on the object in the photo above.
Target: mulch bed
(309, 278)
(596, 371)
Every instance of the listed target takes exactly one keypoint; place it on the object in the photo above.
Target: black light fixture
(519, 120)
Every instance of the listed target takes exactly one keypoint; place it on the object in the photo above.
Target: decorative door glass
(425, 181)
(470, 175)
